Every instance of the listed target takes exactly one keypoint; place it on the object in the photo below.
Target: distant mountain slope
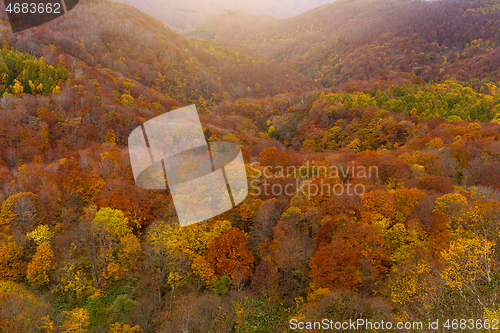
(359, 39)
(124, 39)
(308, 28)
(441, 40)
(231, 25)
(189, 14)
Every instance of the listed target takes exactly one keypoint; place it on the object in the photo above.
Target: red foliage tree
(334, 266)
(230, 256)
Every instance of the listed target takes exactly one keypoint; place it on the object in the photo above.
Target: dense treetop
(83, 249)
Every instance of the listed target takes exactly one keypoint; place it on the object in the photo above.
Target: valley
(407, 89)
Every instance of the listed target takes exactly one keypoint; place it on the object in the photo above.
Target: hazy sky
(186, 15)
(276, 8)
(279, 8)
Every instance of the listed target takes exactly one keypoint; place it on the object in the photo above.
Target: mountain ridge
(122, 38)
(359, 39)
(192, 13)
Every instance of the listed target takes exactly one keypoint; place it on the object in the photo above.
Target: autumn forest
(408, 88)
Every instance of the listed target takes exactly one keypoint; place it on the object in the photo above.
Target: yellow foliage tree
(11, 264)
(40, 266)
(74, 280)
(41, 234)
(406, 200)
(468, 263)
(453, 207)
(17, 88)
(124, 328)
(6, 213)
(436, 143)
(412, 289)
(114, 220)
(194, 240)
(127, 100)
(203, 269)
(356, 145)
(32, 85)
(76, 321)
(378, 208)
(126, 259)
(404, 241)
(47, 325)
(110, 136)
(21, 311)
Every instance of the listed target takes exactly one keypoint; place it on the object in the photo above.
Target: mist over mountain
(185, 16)
(360, 39)
(232, 26)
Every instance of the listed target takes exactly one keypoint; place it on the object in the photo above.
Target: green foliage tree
(222, 286)
(23, 73)
(119, 312)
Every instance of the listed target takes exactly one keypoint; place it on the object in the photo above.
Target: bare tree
(95, 241)
(161, 260)
(266, 219)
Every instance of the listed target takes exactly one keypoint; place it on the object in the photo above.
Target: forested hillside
(121, 38)
(392, 200)
(309, 28)
(365, 39)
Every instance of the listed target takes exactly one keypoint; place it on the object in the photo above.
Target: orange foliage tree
(229, 255)
(40, 266)
(333, 266)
